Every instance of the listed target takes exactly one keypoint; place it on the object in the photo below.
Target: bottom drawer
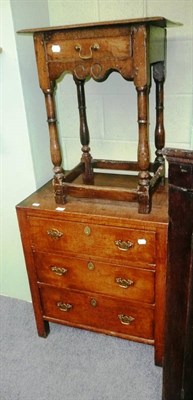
(96, 311)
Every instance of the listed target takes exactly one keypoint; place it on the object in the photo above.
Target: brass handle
(58, 270)
(78, 48)
(54, 233)
(124, 283)
(64, 306)
(123, 245)
(125, 319)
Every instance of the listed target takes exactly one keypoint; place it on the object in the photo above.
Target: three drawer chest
(97, 264)
(95, 243)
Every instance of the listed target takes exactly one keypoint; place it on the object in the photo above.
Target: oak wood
(100, 241)
(81, 239)
(42, 325)
(130, 47)
(103, 316)
(88, 174)
(156, 21)
(93, 275)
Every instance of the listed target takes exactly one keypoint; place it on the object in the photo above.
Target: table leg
(143, 149)
(54, 146)
(88, 175)
(159, 78)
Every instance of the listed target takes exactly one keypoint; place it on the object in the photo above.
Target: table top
(155, 21)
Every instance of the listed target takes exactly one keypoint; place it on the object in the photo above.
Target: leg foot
(59, 192)
(44, 329)
(158, 357)
(144, 201)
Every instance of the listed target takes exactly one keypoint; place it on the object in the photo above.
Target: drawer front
(97, 311)
(95, 240)
(94, 276)
(94, 49)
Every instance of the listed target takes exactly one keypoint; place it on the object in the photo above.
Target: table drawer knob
(54, 233)
(78, 48)
(123, 245)
(58, 270)
(64, 306)
(125, 319)
(124, 283)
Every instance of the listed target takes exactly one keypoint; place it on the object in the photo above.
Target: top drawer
(88, 49)
(95, 240)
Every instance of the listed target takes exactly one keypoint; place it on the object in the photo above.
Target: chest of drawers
(97, 265)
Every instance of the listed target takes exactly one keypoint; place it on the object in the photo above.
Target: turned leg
(54, 146)
(159, 78)
(88, 175)
(143, 149)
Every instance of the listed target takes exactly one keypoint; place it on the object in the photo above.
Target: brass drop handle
(58, 270)
(124, 283)
(78, 48)
(125, 319)
(123, 245)
(54, 233)
(64, 306)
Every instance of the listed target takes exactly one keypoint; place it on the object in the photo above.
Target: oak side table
(130, 47)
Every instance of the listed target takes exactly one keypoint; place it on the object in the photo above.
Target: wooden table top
(155, 21)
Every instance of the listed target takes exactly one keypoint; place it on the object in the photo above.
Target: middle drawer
(94, 276)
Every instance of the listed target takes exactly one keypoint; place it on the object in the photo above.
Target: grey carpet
(71, 364)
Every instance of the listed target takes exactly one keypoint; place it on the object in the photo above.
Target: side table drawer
(95, 240)
(104, 313)
(115, 280)
(85, 49)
